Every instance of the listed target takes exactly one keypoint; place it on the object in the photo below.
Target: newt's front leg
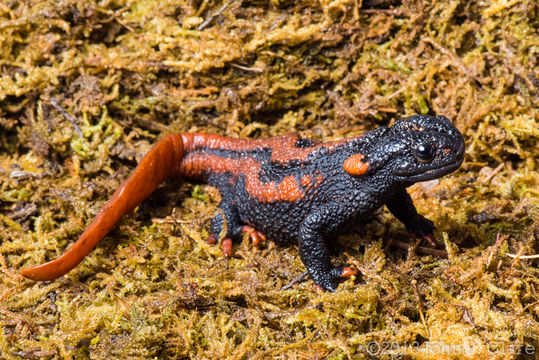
(312, 245)
(402, 206)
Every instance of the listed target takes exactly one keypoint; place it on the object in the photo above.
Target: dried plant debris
(87, 87)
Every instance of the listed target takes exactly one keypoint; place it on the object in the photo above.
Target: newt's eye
(424, 153)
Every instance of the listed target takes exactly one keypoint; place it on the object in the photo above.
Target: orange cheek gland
(355, 166)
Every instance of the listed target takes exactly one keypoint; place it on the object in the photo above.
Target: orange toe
(349, 271)
(256, 236)
(226, 245)
(211, 239)
(430, 239)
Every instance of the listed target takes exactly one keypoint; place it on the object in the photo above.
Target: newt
(289, 189)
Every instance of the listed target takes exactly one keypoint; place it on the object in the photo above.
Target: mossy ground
(129, 72)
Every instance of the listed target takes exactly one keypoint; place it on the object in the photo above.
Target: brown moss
(130, 72)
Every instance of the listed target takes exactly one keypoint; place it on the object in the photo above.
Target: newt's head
(426, 148)
(416, 148)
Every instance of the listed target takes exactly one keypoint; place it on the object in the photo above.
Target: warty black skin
(287, 188)
(341, 199)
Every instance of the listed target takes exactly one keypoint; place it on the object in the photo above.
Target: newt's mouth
(430, 174)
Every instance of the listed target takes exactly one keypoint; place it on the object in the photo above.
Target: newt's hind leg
(225, 225)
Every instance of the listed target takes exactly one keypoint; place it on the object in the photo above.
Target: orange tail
(161, 162)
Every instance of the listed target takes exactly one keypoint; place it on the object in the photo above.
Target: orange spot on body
(288, 189)
(319, 180)
(306, 180)
(355, 166)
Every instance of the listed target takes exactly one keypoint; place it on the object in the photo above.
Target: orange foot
(256, 236)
